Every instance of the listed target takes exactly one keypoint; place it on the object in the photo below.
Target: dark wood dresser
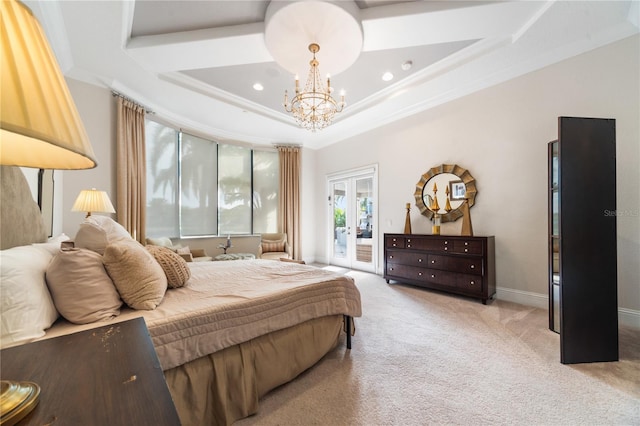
(108, 375)
(461, 265)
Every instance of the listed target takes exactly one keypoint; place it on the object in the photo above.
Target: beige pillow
(183, 250)
(198, 252)
(81, 289)
(139, 279)
(175, 267)
(272, 246)
(162, 241)
(96, 232)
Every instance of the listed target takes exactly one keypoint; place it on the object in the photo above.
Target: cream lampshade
(39, 127)
(92, 200)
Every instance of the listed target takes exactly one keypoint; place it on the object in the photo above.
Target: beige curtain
(289, 218)
(130, 168)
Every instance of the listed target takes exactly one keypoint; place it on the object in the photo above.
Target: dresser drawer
(394, 242)
(405, 257)
(469, 283)
(405, 271)
(415, 273)
(430, 244)
(466, 265)
(437, 276)
(467, 247)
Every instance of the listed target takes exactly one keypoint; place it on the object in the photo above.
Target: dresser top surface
(438, 236)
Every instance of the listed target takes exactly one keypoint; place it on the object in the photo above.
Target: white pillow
(26, 307)
(96, 232)
(81, 288)
(53, 244)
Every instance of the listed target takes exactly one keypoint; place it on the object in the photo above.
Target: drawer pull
(394, 244)
(466, 250)
(391, 269)
(446, 248)
(433, 261)
(394, 240)
(419, 274)
(466, 243)
(446, 242)
(419, 260)
(472, 282)
(391, 257)
(408, 245)
(433, 275)
(408, 240)
(473, 266)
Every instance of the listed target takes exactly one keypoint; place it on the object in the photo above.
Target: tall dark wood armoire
(583, 299)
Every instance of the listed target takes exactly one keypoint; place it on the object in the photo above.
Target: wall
(98, 113)
(500, 134)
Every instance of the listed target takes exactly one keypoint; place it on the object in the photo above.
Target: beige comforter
(226, 303)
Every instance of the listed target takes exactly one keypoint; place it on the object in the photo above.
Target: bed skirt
(223, 387)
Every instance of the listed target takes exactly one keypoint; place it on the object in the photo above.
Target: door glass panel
(339, 219)
(364, 225)
(554, 190)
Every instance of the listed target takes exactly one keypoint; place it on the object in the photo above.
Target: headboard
(21, 222)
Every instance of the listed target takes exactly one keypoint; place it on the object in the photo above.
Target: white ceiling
(194, 62)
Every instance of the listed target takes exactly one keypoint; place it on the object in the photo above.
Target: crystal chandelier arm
(313, 108)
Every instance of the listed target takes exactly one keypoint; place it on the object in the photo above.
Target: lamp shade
(40, 125)
(92, 200)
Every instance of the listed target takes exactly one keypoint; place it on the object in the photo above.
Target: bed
(231, 333)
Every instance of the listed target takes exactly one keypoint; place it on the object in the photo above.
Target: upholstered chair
(274, 246)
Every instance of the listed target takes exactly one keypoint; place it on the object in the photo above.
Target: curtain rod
(287, 145)
(120, 95)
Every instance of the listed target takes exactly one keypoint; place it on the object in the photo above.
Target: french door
(353, 219)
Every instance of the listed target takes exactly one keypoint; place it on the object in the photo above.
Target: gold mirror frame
(463, 174)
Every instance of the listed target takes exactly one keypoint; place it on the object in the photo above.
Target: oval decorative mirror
(443, 189)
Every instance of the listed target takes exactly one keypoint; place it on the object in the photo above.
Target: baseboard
(629, 317)
(528, 298)
(626, 317)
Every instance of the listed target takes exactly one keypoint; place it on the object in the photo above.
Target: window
(198, 188)
(224, 188)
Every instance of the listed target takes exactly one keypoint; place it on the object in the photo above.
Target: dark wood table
(104, 376)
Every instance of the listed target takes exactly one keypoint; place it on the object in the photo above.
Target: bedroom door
(352, 217)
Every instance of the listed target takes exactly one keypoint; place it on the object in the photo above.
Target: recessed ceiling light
(258, 87)
(387, 76)
(406, 65)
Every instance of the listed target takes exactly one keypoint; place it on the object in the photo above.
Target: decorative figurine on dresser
(462, 265)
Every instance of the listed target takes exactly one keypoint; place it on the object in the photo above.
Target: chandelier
(314, 107)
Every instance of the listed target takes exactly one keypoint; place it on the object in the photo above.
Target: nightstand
(108, 375)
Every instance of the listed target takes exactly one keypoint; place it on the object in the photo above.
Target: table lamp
(39, 127)
(92, 200)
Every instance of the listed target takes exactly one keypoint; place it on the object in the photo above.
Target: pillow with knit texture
(175, 267)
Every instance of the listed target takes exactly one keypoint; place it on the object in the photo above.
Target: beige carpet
(421, 357)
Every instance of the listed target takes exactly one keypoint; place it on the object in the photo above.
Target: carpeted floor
(421, 357)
